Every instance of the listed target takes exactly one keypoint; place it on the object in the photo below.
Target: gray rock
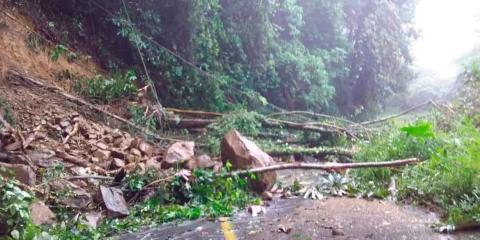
(114, 202)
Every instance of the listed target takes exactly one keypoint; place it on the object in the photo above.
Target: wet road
(334, 218)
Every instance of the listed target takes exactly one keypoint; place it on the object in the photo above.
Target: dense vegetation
(327, 56)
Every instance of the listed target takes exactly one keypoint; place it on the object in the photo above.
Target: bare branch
(327, 166)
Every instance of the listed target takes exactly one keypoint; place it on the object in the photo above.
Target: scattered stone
(337, 232)
(80, 199)
(178, 154)
(102, 145)
(22, 173)
(92, 136)
(153, 163)
(244, 154)
(93, 219)
(41, 214)
(146, 149)
(255, 210)
(118, 163)
(114, 202)
(202, 161)
(65, 123)
(77, 198)
(118, 154)
(116, 133)
(284, 229)
(136, 152)
(127, 143)
(102, 154)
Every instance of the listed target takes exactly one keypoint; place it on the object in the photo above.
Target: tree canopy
(320, 55)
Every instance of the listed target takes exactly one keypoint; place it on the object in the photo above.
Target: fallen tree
(315, 151)
(329, 167)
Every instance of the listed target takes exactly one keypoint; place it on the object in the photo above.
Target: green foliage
(137, 180)
(219, 195)
(57, 51)
(450, 177)
(247, 123)
(397, 143)
(319, 55)
(139, 118)
(447, 177)
(7, 112)
(419, 130)
(108, 89)
(14, 207)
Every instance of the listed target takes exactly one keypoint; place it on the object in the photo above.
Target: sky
(448, 29)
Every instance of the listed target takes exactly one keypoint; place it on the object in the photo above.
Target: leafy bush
(451, 176)
(415, 140)
(107, 89)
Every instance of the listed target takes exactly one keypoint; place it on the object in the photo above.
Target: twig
(395, 115)
(326, 166)
(312, 114)
(194, 112)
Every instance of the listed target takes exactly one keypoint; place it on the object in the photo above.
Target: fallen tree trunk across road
(327, 166)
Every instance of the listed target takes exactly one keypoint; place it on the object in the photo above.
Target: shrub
(108, 89)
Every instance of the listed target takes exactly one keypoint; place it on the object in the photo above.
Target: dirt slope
(15, 32)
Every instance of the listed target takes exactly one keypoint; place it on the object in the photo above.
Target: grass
(448, 177)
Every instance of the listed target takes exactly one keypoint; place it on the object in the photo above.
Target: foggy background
(448, 31)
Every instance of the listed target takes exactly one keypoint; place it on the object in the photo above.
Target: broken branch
(316, 151)
(396, 115)
(311, 114)
(326, 166)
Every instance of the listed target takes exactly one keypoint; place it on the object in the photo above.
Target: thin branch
(327, 166)
(194, 112)
(315, 151)
(311, 114)
(395, 115)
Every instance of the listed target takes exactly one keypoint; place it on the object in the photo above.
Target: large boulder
(245, 154)
(178, 154)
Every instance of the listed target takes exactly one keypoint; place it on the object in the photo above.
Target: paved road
(334, 218)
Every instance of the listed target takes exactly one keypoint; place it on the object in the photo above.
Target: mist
(447, 32)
